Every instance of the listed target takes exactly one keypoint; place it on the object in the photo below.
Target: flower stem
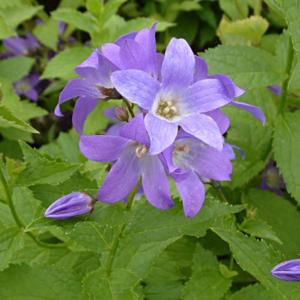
(284, 87)
(116, 241)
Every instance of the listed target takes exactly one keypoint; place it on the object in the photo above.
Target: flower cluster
(175, 129)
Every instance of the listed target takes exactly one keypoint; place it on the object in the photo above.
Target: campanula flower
(130, 153)
(73, 204)
(191, 162)
(27, 86)
(93, 85)
(275, 89)
(176, 100)
(288, 270)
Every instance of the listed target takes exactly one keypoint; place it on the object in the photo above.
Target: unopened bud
(121, 114)
(70, 205)
(288, 270)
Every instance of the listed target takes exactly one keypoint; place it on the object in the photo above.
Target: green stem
(240, 9)
(284, 87)
(18, 220)
(231, 261)
(129, 108)
(116, 241)
(257, 7)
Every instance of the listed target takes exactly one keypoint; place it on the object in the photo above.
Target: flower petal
(201, 69)
(178, 66)
(136, 86)
(192, 193)
(220, 118)
(255, 111)
(135, 130)
(132, 56)
(204, 128)
(122, 177)
(205, 95)
(162, 134)
(83, 107)
(112, 53)
(155, 183)
(103, 148)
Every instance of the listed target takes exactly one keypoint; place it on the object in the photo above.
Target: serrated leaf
(247, 31)
(24, 283)
(280, 214)
(255, 291)
(15, 68)
(63, 64)
(258, 258)
(249, 67)
(43, 170)
(286, 147)
(234, 11)
(206, 281)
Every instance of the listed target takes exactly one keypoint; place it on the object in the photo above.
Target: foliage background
(228, 250)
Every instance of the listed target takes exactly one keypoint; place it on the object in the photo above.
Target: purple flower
(177, 100)
(73, 204)
(93, 85)
(288, 270)
(276, 89)
(21, 45)
(190, 162)
(27, 86)
(130, 153)
(272, 180)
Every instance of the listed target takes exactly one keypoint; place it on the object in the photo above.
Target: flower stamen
(167, 109)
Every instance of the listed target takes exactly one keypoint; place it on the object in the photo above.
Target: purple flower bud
(288, 270)
(121, 114)
(70, 205)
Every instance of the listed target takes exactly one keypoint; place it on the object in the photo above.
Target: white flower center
(141, 150)
(167, 109)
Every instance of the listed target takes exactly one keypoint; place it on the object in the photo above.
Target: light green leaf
(234, 10)
(249, 67)
(255, 291)
(95, 7)
(286, 147)
(280, 214)
(14, 68)
(43, 170)
(25, 283)
(47, 33)
(206, 281)
(5, 31)
(258, 258)
(63, 64)
(244, 32)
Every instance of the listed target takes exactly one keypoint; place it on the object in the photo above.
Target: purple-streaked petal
(192, 193)
(178, 66)
(31, 94)
(167, 159)
(155, 183)
(287, 270)
(70, 205)
(135, 130)
(90, 62)
(220, 118)
(136, 86)
(162, 134)
(228, 151)
(122, 177)
(132, 56)
(102, 148)
(114, 129)
(83, 107)
(255, 111)
(204, 128)
(77, 88)
(205, 95)
(232, 89)
(123, 38)
(201, 69)
(112, 53)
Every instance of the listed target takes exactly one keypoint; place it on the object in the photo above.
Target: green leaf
(11, 240)
(14, 16)
(249, 67)
(258, 258)
(95, 7)
(63, 64)
(15, 68)
(286, 147)
(25, 283)
(244, 32)
(280, 214)
(9, 121)
(255, 291)
(82, 21)
(5, 31)
(233, 10)
(206, 281)
(47, 33)
(43, 170)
